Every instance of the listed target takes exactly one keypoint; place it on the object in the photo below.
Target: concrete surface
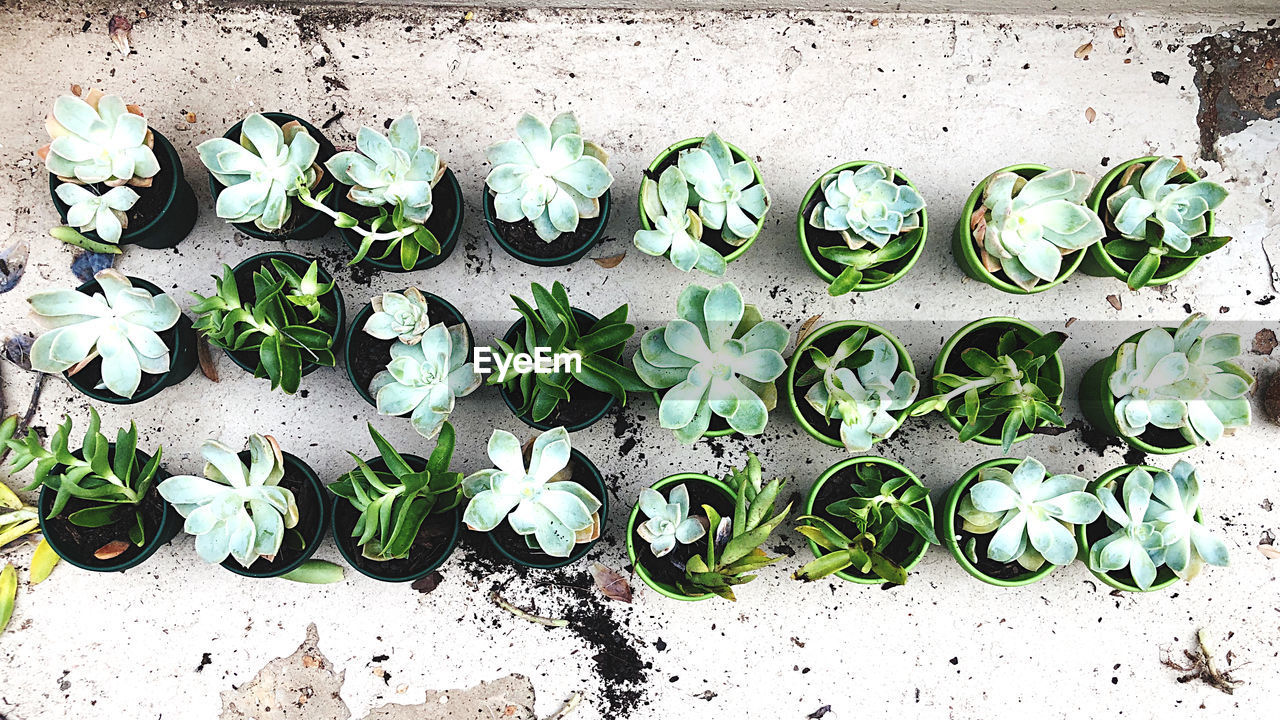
(946, 98)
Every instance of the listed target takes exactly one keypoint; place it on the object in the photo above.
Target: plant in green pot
(1150, 533)
(99, 507)
(395, 517)
(1167, 391)
(116, 339)
(560, 366)
(1008, 524)
(114, 179)
(1024, 228)
(276, 315)
(993, 378)
(551, 496)
(1159, 221)
(862, 226)
(861, 382)
(868, 520)
(718, 358)
(260, 513)
(547, 199)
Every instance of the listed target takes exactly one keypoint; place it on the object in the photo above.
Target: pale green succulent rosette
(99, 139)
(668, 523)
(424, 379)
(262, 172)
(677, 228)
(91, 212)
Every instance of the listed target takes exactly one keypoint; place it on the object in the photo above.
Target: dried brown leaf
(111, 550)
(1082, 52)
(427, 584)
(611, 583)
(610, 262)
(1270, 552)
(807, 328)
(1090, 114)
(1071, 321)
(1115, 301)
(1264, 342)
(208, 364)
(1119, 31)
(118, 29)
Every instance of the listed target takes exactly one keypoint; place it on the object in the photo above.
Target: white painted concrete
(946, 99)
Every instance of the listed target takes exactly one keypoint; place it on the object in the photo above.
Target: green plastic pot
(1100, 264)
(1099, 405)
(665, 158)
(844, 329)
(170, 523)
(491, 220)
(176, 217)
(183, 356)
(318, 223)
(947, 530)
(966, 252)
(312, 487)
(446, 193)
(633, 553)
(1114, 479)
(248, 360)
(357, 327)
(1027, 332)
(815, 260)
(513, 402)
(342, 519)
(918, 547)
(594, 483)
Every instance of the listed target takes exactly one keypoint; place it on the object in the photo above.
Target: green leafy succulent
(677, 229)
(99, 139)
(263, 171)
(103, 213)
(725, 192)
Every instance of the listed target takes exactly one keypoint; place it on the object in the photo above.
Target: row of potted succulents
(702, 202)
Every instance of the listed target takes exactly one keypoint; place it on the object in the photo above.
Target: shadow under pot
(1099, 263)
(984, 334)
(183, 358)
(907, 548)
(965, 248)
(1088, 535)
(300, 541)
(77, 545)
(303, 223)
(586, 406)
(955, 538)
(665, 574)
(514, 546)
(811, 238)
(164, 213)
(366, 355)
(521, 241)
(248, 360)
(435, 542)
(710, 238)
(1099, 408)
(827, 339)
(445, 223)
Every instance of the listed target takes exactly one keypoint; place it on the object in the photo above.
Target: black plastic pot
(178, 208)
(308, 224)
(183, 358)
(445, 223)
(596, 407)
(563, 250)
(313, 522)
(359, 343)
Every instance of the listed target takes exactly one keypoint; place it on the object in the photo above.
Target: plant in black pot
(558, 365)
(548, 192)
(99, 507)
(259, 513)
(395, 517)
(276, 315)
(114, 180)
(116, 339)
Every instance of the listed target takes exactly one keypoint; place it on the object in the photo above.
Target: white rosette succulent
(423, 379)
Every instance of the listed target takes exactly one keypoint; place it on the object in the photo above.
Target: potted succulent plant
(277, 315)
(395, 517)
(1158, 216)
(718, 358)
(1024, 228)
(861, 382)
(1150, 533)
(260, 513)
(551, 495)
(547, 199)
(258, 169)
(1167, 391)
(113, 178)
(579, 376)
(868, 521)
(99, 508)
(116, 339)
(862, 226)
(1007, 524)
(1006, 374)
(737, 517)
(721, 189)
